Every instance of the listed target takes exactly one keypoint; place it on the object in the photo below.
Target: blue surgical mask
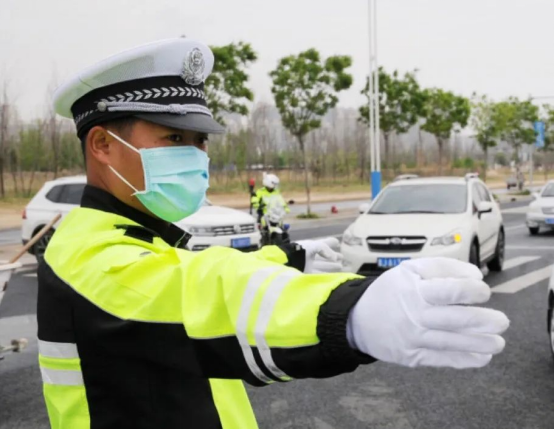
(176, 179)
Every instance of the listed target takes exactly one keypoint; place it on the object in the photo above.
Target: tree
(444, 111)
(226, 88)
(400, 104)
(5, 124)
(501, 159)
(305, 87)
(515, 121)
(261, 132)
(483, 122)
(548, 147)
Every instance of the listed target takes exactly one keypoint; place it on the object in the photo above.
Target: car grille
(548, 211)
(229, 230)
(396, 243)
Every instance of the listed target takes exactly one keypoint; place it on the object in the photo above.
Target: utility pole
(374, 126)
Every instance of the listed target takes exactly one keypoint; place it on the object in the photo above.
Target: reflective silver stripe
(57, 349)
(254, 284)
(61, 377)
(271, 296)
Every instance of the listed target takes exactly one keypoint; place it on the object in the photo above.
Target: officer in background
(136, 331)
(261, 201)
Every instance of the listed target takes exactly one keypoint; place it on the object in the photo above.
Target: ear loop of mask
(115, 171)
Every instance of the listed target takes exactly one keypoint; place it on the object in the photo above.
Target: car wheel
(40, 247)
(474, 255)
(495, 265)
(534, 230)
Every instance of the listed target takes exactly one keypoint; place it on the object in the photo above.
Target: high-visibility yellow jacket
(264, 198)
(136, 332)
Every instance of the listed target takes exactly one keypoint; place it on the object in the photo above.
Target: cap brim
(191, 121)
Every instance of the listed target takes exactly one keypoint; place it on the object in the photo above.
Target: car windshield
(548, 191)
(431, 198)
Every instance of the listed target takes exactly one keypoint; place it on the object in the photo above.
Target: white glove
(411, 316)
(320, 257)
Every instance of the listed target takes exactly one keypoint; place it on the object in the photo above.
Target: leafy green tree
(443, 112)
(32, 148)
(71, 156)
(501, 159)
(305, 87)
(400, 104)
(483, 121)
(226, 87)
(515, 121)
(548, 148)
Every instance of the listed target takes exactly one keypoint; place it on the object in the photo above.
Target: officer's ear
(98, 145)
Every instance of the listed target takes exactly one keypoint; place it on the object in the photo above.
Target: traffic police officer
(265, 196)
(137, 331)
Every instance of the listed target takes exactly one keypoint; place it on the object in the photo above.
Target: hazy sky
(497, 47)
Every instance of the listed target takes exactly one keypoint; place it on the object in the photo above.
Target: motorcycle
(272, 226)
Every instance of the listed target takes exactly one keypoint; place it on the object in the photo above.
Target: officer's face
(128, 163)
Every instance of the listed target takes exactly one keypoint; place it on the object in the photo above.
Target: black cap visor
(191, 121)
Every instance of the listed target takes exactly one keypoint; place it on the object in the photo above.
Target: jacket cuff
(332, 324)
(296, 255)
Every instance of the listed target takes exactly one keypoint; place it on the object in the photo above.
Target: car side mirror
(364, 207)
(484, 207)
(535, 196)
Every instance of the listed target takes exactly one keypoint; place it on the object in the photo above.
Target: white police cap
(161, 82)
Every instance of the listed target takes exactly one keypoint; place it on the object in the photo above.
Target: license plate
(243, 242)
(387, 263)
(550, 220)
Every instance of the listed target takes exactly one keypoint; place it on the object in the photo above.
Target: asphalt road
(515, 391)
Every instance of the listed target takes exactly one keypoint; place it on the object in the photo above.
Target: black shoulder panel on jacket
(138, 232)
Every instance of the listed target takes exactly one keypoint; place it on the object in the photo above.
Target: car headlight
(201, 231)
(447, 239)
(351, 240)
(535, 209)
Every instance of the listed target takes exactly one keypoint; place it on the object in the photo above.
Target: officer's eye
(175, 138)
(202, 140)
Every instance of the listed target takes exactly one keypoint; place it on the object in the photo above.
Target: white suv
(210, 226)
(541, 210)
(414, 218)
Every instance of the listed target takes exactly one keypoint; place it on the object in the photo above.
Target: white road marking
(30, 275)
(515, 227)
(518, 210)
(518, 261)
(520, 283)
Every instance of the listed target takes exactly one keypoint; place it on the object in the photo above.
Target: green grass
(521, 193)
(311, 215)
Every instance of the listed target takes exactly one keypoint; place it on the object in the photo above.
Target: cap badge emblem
(193, 67)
